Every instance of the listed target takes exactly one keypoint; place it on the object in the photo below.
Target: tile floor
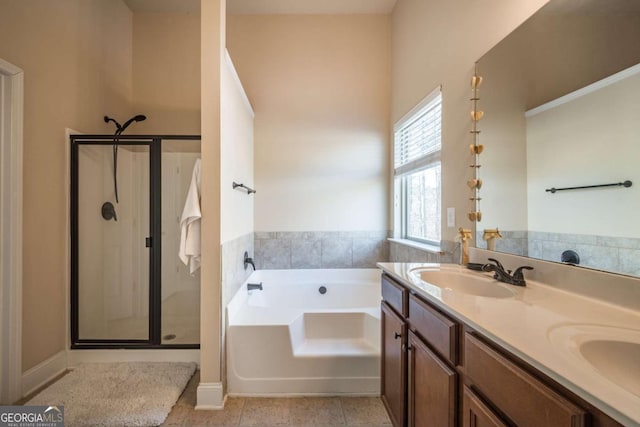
(267, 412)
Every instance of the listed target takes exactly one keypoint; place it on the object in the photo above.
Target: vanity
(554, 127)
(462, 349)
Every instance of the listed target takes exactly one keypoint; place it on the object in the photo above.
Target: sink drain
(169, 337)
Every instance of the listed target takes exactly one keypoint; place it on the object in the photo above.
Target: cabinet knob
(406, 347)
(397, 335)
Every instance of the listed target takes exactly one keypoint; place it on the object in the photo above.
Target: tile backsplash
(320, 249)
(233, 271)
(402, 252)
(512, 242)
(617, 254)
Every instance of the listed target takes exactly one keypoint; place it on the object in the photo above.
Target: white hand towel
(189, 251)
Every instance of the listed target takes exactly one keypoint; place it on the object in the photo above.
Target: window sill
(417, 245)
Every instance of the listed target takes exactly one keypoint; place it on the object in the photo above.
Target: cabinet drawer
(395, 295)
(437, 329)
(520, 396)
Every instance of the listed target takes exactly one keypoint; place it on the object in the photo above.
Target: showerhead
(126, 124)
(118, 132)
(108, 119)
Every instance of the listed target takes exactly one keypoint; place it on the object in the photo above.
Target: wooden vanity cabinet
(500, 380)
(422, 374)
(431, 387)
(440, 372)
(393, 389)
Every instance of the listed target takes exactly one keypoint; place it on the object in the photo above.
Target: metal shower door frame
(155, 249)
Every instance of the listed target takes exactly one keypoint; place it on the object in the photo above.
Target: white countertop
(538, 325)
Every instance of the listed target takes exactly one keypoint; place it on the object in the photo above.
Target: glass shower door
(180, 289)
(112, 238)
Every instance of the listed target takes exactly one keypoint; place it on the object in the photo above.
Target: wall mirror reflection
(561, 96)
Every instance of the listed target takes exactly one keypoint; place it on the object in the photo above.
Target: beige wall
(76, 57)
(236, 154)
(436, 42)
(166, 72)
(319, 86)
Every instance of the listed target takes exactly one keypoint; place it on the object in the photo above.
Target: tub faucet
(254, 286)
(502, 275)
(248, 261)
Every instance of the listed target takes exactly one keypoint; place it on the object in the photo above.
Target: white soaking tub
(290, 338)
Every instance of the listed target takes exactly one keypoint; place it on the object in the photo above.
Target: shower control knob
(397, 335)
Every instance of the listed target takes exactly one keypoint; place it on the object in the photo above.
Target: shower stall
(129, 288)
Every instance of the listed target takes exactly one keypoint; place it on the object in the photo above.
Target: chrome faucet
(248, 261)
(505, 276)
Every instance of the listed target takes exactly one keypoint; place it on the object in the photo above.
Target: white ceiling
(260, 7)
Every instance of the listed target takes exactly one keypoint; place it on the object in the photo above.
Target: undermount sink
(618, 361)
(613, 352)
(466, 283)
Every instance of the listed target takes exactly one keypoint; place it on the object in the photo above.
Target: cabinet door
(394, 366)
(432, 387)
(476, 414)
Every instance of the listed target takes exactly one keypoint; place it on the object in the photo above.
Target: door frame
(11, 140)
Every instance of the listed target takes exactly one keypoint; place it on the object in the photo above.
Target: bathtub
(314, 332)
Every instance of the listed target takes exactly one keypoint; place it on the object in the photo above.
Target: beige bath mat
(118, 394)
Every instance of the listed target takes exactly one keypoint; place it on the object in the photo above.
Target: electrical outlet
(451, 217)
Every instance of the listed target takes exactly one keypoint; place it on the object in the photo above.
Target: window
(417, 146)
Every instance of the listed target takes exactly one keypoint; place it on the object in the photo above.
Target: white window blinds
(417, 136)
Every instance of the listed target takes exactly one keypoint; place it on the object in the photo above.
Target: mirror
(555, 118)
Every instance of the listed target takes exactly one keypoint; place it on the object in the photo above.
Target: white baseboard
(43, 372)
(105, 356)
(210, 396)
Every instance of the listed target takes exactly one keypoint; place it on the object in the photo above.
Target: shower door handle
(148, 242)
